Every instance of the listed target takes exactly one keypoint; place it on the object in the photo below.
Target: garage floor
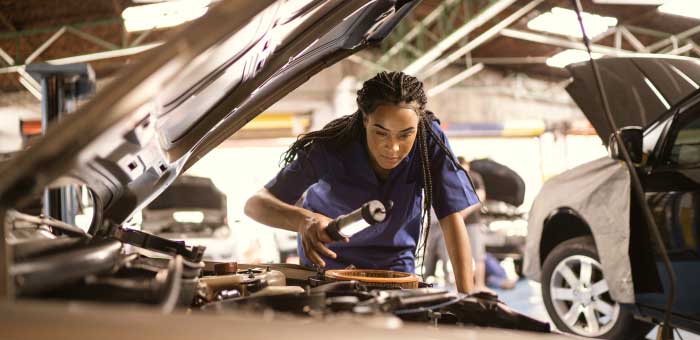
(527, 299)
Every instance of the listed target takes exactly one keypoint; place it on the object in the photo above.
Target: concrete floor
(526, 298)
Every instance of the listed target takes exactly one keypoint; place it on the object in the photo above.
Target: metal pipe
(45, 45)
(510, 60)
(91, 38)
(28, 85)
(680, 36)
(456, 79)
(647, 31)
(429, 19)
(633, 40)
(478, 41)
(6, 57)
(90, 57)
(478, 21)
(543, 39)
(681, 49)
(32, 82)
(141, 37)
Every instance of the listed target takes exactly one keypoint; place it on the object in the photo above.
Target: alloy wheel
(581, 297)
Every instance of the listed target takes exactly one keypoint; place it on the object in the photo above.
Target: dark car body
(660, 95)
(193, 210)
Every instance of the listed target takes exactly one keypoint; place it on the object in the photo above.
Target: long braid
(427, 189)
(339, 131)
(447, 152)
(426, 128)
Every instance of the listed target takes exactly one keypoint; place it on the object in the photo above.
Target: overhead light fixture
(188, 216)
(565, 22)
(686, 8)
(163, 14)
(567, 57)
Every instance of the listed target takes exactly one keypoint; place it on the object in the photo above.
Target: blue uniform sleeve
(452, 190)
(291, 182)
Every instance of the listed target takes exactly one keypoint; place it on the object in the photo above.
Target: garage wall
(491, 96)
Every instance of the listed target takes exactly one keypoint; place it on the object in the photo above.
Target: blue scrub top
(339, 180)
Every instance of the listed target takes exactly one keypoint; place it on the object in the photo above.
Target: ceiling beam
(417, 29)
(481, 39)
(599, 37)
(674, 37)
(45, 45)
(6, 57)
(89, 57)
(366, 63)
(91, 38)
(564, 43)
(633, 40)
(510, 60)
(479, 20)
(455, 80)
(118, 12)
(681, 49)
(30, 84)
(696, 48)
(647, 31)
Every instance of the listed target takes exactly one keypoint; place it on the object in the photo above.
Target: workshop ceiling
(95, 27)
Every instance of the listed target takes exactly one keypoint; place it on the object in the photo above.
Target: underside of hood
(185, 97)
(639, 89)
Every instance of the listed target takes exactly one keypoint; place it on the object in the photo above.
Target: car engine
(57, 261)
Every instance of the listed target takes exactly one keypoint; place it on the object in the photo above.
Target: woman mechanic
(391, 148)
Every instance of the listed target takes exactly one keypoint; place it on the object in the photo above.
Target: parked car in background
(506, 232)
(131, 142)
(504, 235)
(588, 243)
(192, 210)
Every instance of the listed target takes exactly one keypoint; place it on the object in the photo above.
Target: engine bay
(57, 261)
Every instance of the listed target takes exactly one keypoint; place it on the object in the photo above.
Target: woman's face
(391, 131)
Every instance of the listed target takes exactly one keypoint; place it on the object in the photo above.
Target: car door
(673, 193)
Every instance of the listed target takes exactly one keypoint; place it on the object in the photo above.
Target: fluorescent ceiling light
(567, 57)
(163, 14)
(686, 8)
(188, 216)
(565, 22)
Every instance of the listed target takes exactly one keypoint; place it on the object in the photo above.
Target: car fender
(599, 193)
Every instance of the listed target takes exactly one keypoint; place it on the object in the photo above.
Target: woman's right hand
(314, 237)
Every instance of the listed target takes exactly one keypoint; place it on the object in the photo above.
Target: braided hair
(384, 88)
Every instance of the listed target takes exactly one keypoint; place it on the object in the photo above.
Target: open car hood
(188, 95)
(639, 89)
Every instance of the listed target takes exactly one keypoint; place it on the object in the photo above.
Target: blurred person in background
(474, 225)
(437, 251)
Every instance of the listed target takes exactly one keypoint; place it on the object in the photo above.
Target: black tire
(625, 327)
(518, 264)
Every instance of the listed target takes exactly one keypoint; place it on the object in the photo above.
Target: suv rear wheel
(577, 297)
